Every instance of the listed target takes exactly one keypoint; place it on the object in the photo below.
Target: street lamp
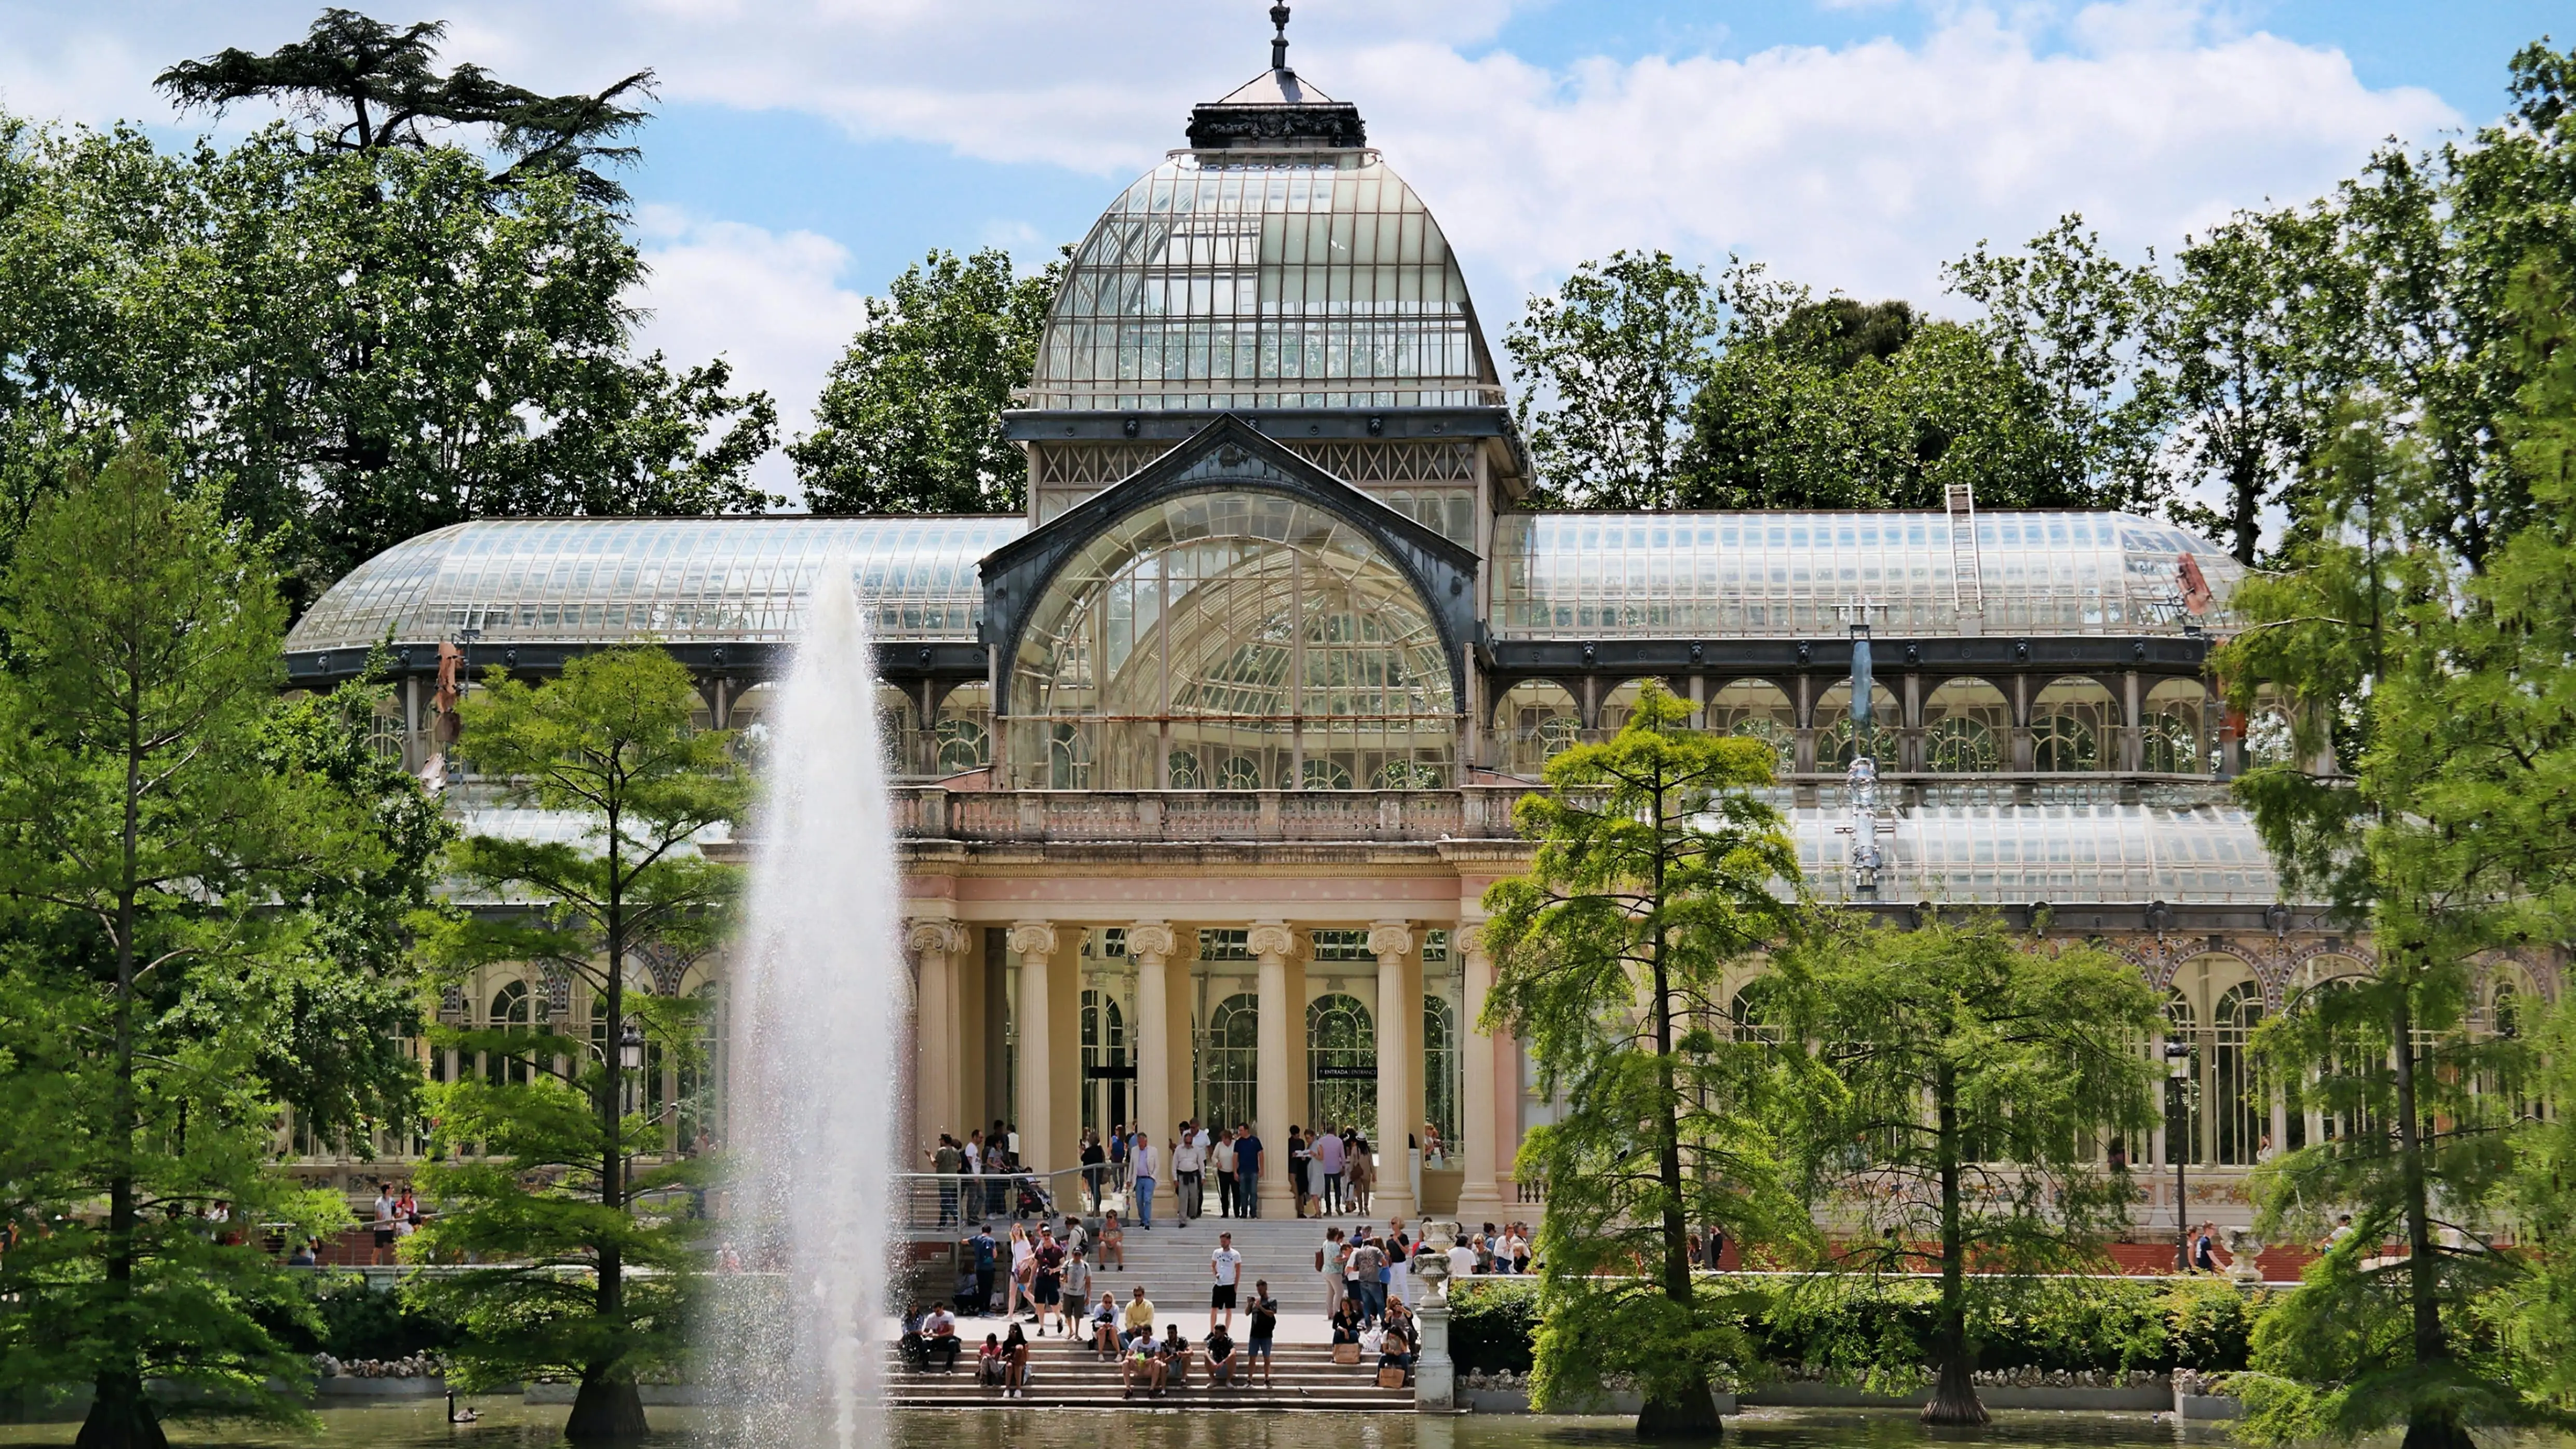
(630, 1047)
(2178, 1072)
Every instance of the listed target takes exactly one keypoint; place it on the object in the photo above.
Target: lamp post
(630, 1058)
(2178, 1073)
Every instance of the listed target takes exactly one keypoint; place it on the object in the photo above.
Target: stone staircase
(1069, 1375)
(1172, 1263)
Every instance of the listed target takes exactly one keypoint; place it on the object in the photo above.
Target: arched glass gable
(1231, 640)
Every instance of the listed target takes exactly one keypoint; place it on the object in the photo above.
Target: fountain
(820, 1013)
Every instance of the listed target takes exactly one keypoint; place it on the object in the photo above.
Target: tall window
(1440, 1084)
(1835, 744)
(1754, 1012)
(2183, 1107)
(963, 738)
(1230, 1063)
(1341, 1064)
(1105, 1068)
(1535, 722)
(2173, 730)
(510, 1013)
(2239, 1107)
(701, 1080)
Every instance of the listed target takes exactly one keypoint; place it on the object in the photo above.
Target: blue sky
(805, 150)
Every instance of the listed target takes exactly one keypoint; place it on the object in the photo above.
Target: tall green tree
(1655, 869)
(1978, 1073)
(540, 1181)
(1606, 367)
(2441, 686)
(181, 858)
(910, 420)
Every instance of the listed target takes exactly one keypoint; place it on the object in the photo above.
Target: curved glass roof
(1264, 280)
(2017, 854)
(681, 580)
(1722, 575)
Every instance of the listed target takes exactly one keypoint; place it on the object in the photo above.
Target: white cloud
(772, 304)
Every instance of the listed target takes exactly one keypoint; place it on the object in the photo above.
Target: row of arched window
(1966, 726)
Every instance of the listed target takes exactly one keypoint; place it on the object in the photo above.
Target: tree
(910, 420)
(2075, 323)
(1977, 1075)
(1606, 369)
(186, 867)
(2441, 687)
(2253, 335)
(393, 97)
(1655, 868)
(541, 1183)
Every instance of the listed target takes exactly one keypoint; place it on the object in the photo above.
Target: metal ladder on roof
(1967, 585)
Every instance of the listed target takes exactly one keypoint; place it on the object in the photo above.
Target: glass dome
(1264, 280)
(1778, 575)
(1235, 641)
(2061, 854)
(680, 580)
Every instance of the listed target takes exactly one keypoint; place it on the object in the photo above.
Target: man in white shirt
(1462, 1259)
(1187, 1159)
(1225, 1265)
(1146, 1163)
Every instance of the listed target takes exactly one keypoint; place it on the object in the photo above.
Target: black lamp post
(2178, 1143)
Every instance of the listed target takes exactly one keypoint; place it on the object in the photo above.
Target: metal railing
(942, 1204)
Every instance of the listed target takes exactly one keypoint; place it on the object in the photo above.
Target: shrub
(1493, 1327)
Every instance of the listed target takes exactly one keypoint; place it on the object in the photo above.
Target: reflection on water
(508, 1425)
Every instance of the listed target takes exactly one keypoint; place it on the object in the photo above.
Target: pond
(508, 1425)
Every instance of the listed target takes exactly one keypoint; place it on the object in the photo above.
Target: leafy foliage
(1607, 367)
(910, 420)
(192, 873)
(1654, 868)
(1976, 1072)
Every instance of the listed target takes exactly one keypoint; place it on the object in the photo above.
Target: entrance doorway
(1108, 1063)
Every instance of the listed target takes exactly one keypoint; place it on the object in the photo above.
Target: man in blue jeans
(1247, 1171)
(1145, 1161)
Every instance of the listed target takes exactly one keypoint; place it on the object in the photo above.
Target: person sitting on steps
(1220, 1357)
(1143, 1366)
(1175, 1351)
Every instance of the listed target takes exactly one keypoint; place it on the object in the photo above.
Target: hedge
(1858, 1328)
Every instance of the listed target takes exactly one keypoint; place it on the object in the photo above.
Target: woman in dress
(1359, 1175)
(1399, 1263)
(1113, 1243)
(1024, 1258)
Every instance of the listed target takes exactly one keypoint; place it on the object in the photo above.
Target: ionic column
(935, 945)
(1480, 1195)
(1397, 1016)
(1272, 943)
(1149, 945)
(1033, 942)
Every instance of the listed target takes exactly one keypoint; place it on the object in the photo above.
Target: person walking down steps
(1144, 1161)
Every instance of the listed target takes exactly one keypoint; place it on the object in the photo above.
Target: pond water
(508, 1425)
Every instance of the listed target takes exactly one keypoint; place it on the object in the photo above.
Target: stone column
(1150, 945)
(1398, 1013)
(1272, 943)
(1033, 943)
(935, 945)
(1480, 1195)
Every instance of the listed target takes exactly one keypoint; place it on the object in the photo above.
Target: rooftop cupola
(1277, 111)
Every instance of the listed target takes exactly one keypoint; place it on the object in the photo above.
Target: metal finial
(1279, 42)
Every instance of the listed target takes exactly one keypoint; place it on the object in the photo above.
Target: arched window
(2269, 736)
(1534, 723)
(1341, 1064)
(701, 1083)
(1235, 623)
(748, 717)
(1755, 1011)
(1835, 749)
(2173, 728)
(1967, 728)
(963, 739)
(1230, 1061)
(1323, 775)
(2240, 1108)
(2183, 1105)
(510, 1013)
(1756, 709)
(899, 729)
(2071, 726)
(1622, 702)
(1440, 1077)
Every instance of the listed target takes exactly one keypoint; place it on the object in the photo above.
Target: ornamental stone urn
(1435, 1374)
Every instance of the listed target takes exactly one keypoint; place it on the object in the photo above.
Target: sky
(804, 151)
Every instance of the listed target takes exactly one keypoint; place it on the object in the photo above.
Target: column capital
(1270, 938)
(1033, 938)
(932, 936)
(1469, 940)
(1390, 938)
(1151, 938)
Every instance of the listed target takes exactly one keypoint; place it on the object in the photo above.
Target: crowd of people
(1113, 1331)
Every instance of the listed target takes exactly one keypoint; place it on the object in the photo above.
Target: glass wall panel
(1757, 709)
(1341, 1064)
(964, 736)
(1232, 640)
(1535, 722)
(2239, 1107)
(1835, 747)
(2072, 724)
(1229, 1064)
(2174, 728)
